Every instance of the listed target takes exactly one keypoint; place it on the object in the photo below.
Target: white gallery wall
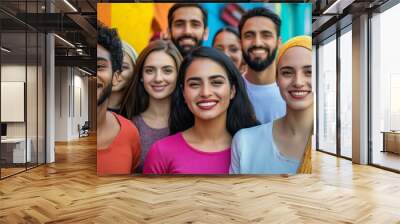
(16, 73)
(31, 77)
(71, 102)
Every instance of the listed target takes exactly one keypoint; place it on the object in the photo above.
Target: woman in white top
(278, 147)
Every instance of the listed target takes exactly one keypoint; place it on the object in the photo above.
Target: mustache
(187, 37)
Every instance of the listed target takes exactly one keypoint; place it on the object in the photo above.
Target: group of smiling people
(244, 106)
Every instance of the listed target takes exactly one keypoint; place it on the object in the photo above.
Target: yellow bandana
(298, 41)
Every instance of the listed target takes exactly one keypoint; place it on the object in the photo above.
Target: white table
(18, 144)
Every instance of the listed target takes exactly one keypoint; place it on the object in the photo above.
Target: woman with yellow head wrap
(278, 147)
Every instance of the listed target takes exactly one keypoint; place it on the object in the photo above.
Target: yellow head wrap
(298, 41)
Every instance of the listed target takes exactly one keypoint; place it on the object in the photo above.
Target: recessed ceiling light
(64, 40)
(70, 5)
(5, 49)
(84, 71)
(337, 7)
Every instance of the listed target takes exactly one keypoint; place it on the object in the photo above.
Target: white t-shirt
(267, 101)
(254, 151)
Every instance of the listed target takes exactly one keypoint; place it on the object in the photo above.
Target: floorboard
(69, 191)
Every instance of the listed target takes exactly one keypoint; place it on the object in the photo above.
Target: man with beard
(259, 35)
(118, 143)
(187, 26)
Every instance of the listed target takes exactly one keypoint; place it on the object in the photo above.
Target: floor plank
(69, 191)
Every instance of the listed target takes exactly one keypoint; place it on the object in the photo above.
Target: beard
(259, 64)
(104, 94)
(185, 49)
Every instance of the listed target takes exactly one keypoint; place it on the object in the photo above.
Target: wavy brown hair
(136, 100)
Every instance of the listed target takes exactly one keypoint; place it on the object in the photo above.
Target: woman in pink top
(209, 107)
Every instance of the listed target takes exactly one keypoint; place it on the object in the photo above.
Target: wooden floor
(10, 171)
(5, 172)
(70, 192)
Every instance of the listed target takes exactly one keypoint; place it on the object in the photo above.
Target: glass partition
(346, 93)
(31, 98)
(385, 89)
(327, 96)
(22, 89)
(13, 105)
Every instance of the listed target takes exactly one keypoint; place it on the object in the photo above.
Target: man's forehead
(258, 23)
(187, 14)
(103, 53)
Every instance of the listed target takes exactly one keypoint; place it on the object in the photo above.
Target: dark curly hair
(264, 12)
(109, 39)
(240, 111)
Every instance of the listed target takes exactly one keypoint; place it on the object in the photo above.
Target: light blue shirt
(267, 101)
(254, 152)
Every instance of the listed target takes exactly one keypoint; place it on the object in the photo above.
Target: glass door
(13, 103)
(385, 90)
(22, 76)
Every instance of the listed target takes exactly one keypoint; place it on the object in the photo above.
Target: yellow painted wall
(133, 22)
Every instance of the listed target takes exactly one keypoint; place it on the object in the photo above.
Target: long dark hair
(240, 111)
(136, 99)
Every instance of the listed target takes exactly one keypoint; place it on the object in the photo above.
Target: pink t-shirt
(173, 155)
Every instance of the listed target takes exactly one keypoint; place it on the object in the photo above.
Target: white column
(360, 90)
(50, 100)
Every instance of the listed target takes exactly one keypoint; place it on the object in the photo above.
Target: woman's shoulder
(169, 142)
(257, 132)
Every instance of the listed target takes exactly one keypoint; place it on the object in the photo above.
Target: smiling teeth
(299, 93)
(261, 51)
(207, 104)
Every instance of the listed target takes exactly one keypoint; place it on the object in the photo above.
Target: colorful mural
(138, 23)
